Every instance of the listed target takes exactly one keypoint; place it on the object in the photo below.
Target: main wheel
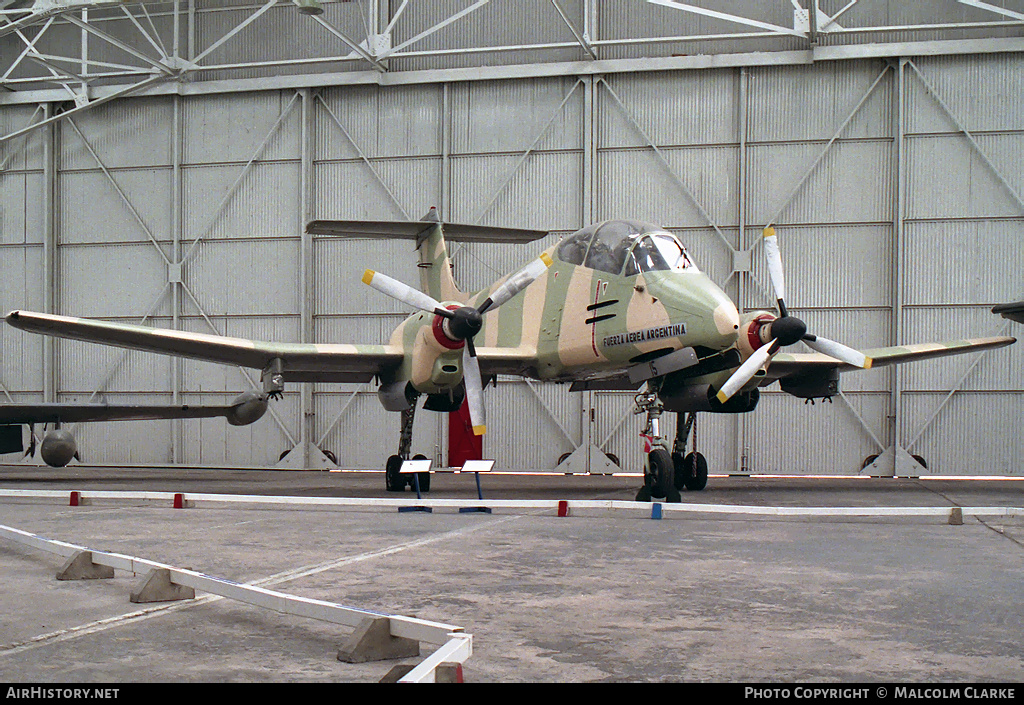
(691, 471)
(662, 475)
(424, 477)
(393, 480)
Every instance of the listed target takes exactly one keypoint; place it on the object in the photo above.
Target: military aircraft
(616, 305)
(58, 446)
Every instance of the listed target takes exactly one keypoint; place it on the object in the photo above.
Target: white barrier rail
(456, 644)
(562, 507)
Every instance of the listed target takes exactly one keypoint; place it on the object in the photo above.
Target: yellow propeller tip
(479, 430)
(722, 397)
(546, 259)
(867, 363)
(368, 276)
(769, 231)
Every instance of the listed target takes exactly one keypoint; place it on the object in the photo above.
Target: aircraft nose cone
(465, 322)
(788, 329)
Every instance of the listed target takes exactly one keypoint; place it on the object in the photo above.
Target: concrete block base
(81, 567)
(157, 587)
(372, 641)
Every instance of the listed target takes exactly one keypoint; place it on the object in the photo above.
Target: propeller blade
(403, 292)
(838, 351)
(474, 388)
(745, 372)
(774, 256)
(516, 283)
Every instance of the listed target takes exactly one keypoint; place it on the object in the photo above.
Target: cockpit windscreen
(626, 248)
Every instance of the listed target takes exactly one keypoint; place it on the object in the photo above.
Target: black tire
(662, 473)
(393, 480)
(691, 471)
(562, 458)
(424, 477)
(920, 461)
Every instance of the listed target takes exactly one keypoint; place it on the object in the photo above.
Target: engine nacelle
(58, 448)
(821, 385)
(397, 396)
(247, 408)
(701, 397)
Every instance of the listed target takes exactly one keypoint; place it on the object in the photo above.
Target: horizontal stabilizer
(416, 229)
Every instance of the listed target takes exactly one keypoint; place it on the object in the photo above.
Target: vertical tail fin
(435, 265)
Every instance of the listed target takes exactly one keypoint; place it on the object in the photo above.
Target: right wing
(302, 362)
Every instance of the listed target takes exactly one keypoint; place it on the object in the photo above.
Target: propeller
(463, 323)
(785, 330)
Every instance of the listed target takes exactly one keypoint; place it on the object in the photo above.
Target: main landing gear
(394, 480)
(665, 472)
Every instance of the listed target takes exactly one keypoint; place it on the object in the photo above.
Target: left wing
(244, 410)
(792, 365)
(300, 362)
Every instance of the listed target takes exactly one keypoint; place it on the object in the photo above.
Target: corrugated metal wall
(894, 229)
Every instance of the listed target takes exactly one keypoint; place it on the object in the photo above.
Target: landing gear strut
(394, 480)
(659, 470)
(691, 469)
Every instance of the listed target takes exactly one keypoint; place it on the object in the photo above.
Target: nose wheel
(659, 470)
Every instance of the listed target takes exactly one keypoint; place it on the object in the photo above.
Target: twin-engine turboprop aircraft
(58, 447)
(615, 305)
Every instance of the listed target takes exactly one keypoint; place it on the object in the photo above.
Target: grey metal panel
(982, 92)
(824, 439)
(356, 329)
(264, 203)
(672, 109)
(381, 122)
(637, 183)
(947, 178)
(111, 280)
(21, 355)
(230, 128)
(363, 435)
(978, 433)
(541, 193)
(529, 426)
(127, 133)
(21, 210)
(798, 103)
(245, 277)
(964, 261)
(26, 152)
(829, 266)
(997, 369)
(509, 116)
(340, 263)
(389, 189)
(85, 368)
(853, 182)
(93, 211)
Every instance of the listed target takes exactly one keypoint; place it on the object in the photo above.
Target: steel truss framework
(81, 54)
(155, 65)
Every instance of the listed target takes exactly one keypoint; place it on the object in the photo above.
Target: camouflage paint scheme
(572, 323)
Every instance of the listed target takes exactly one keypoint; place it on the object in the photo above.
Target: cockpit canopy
(626, 248)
